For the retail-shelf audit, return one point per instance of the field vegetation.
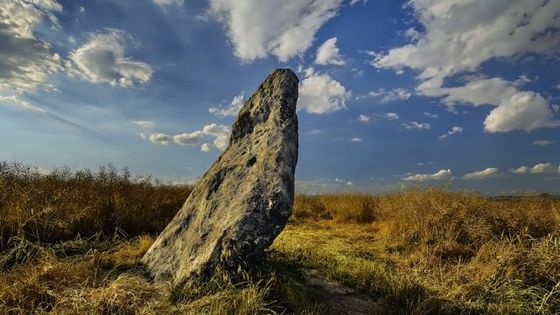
(71, 241)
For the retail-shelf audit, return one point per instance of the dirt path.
(342, 299)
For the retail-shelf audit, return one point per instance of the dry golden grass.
(63, 204)
(71, 244)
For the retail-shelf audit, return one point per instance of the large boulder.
(244, 200)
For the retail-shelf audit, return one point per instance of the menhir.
(244, 200)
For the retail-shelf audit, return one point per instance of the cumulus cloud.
(459, 36)
(329, 54)
(542, 143)
(439, 175)
(364, 118)
(26, 61)
(483, 174)
(283, 29)
(541, 168)
(220, 133)
(232, 109)
(387, 96)
(320, 93)
(522, 111)
(102, 59)
(454, 130)
(146, 124)
(414, 125)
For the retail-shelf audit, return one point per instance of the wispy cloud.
(232, 109)
(541, 168)
(414, 125)
(387, 96)
(439, 175)
(25, 61)
(146, 124)
(542, 143)
(490, 172)
(454, 130)
(364, 118)
(102, 59)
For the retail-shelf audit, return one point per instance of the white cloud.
(284, 29)
(486, 173)
(160, 138)
(439, 175)
(26, 61)
(164, 3)
(414, 125)
(144, 123)
(542, 142)
(430, 115)
(102, 60)
(15, 101)
(354, 2)
(220, 133)
(454, 130)
(390, 116)
(387, 96)
(188, 138)
(356, 140)
(349, 183)
(320, 93)
(205, 147)
(232, 109)
(364, 118)
(541, 168)
(522, 111)
(459, 36)
(328, 54)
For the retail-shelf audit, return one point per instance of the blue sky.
(393, 94)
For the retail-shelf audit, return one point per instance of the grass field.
(70, 243)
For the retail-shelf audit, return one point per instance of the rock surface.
(244, 200)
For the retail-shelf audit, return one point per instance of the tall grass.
(463, 253)
(62, 204)
(71, 242)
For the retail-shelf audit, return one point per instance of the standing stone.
(244, 200)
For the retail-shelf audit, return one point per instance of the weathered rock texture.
(244, 200)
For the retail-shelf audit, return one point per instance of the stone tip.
(287, 72)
